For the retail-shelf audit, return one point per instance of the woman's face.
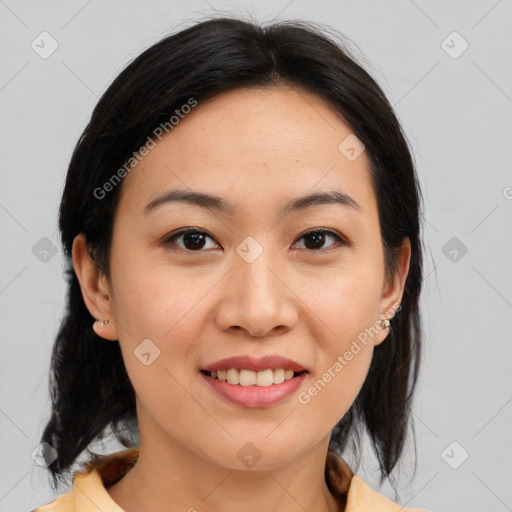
(248, 280)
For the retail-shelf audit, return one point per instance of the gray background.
(455, 108)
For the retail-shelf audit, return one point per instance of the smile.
(244, 389)
(244, 377)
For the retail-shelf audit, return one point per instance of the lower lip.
(255, 396)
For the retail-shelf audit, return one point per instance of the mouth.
(246, 377)
(254, 389)
(249, 381)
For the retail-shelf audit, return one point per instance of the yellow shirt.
(89, 494)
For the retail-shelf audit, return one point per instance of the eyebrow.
(217, 203)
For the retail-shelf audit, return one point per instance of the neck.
(176, 479)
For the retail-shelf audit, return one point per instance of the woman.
(241, 218)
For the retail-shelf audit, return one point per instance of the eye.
(316, 238)
(193, 239)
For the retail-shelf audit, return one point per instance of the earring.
(385, 323)
(96, 327)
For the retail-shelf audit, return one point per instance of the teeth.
(278, 376)
(248, 377)
(288, 374)
(233, 376)
(261, 378)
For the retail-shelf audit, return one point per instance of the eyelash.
(339, 240)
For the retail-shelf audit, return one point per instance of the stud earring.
(385, 323)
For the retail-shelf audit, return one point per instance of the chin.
(247, 455)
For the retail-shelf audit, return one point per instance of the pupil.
(195, 238)
(317, 238)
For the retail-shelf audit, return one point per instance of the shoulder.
(361, 497)
(88, 493)
(353, 492)
(64, 503)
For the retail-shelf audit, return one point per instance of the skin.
(257, 149)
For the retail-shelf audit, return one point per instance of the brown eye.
(194, 240)
(314, 240)
(191, 240)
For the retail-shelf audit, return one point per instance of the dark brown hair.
(90, 389)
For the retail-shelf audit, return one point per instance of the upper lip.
(251, 363)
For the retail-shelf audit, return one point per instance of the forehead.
(251, 141)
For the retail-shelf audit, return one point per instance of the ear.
(95, 289)
(393, 289)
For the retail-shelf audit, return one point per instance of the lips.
(255, 396)
(250, 363)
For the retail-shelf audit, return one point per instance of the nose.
(257, 299)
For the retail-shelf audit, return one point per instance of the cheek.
(330, 392)
(162, 315)
(345, 302)
(344, 316)
(345, 351)
(156, 303)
